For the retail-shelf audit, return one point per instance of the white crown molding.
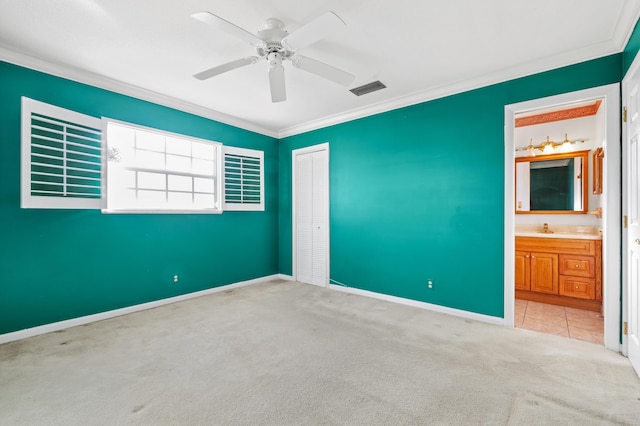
(102, 82)
(523, 70)
(619, 38)
(624, 27)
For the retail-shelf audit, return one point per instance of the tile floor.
(559, 320)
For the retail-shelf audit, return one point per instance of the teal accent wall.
(418, 193)
(61, 264)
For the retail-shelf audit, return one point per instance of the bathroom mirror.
(552, 184)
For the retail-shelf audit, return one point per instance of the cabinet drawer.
(582, 288)
(577, 266)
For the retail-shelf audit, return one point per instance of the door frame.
(294, 154)
(612, 199)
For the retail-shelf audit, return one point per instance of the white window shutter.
(61, 158)
(243, 179)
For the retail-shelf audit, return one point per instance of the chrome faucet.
(545, 229)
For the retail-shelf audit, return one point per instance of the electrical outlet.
(175, 278)
(430, 284)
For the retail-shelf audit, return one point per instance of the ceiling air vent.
(367, 88)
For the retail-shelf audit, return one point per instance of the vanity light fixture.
(566, 143)
(549, 146)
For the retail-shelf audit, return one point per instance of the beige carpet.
(284, 353)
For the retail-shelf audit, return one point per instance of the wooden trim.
(599, 271)
(558, 245)
(554, 299)
(565, 114)
(561, 156)
(598, 156)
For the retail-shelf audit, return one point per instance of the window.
(75, 161)
(153, 171)
(61, 158)
(243, 179)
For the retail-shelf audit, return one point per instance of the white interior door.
(631, 242)
(311, 215)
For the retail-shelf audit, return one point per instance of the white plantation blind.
(243, 179)
(61, 158)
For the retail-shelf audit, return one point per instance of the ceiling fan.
(276, 45)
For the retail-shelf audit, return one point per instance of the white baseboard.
(422, 305)
(61, 325)
(285, 277)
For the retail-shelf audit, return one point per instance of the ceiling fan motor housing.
(272, 36)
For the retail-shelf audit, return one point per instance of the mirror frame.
(585, 180)
(597, 157)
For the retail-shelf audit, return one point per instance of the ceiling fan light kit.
(275, 45)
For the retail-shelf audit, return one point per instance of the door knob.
(637, 240)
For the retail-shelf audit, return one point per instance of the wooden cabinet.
(560, 271)
(537, 272)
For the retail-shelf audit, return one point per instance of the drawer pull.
(577, 266)
(577, 287)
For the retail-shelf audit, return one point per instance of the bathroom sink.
(574, 232)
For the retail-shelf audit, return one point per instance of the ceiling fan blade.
(276, 82)
(312, 31)
(228, 27)
(211, 72)
(323, 70)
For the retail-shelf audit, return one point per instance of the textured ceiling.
(419, 49)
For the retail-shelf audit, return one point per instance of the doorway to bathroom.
(562, 204)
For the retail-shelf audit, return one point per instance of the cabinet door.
(544, 273)
(522, 271)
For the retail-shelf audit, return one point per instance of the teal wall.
(418, 193)
(61, 264)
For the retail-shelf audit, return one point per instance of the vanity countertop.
(560, 231)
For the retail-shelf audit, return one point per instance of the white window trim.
(244, 152)
(218, 179)
(39, 202)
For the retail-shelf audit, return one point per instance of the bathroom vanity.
(560, 268)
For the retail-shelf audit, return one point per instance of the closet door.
(310, 217)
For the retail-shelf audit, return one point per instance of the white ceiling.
(420, 49)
